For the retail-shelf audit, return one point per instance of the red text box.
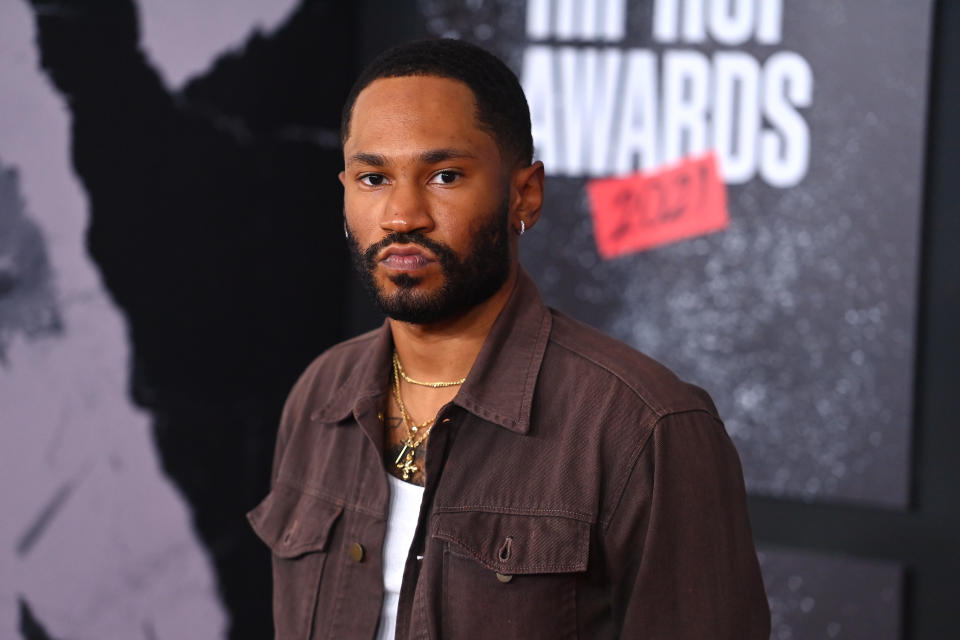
(646, 210)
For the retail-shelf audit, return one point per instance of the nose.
(406, 209)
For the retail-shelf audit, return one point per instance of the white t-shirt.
(402, 517)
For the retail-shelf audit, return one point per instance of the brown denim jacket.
(574, 489)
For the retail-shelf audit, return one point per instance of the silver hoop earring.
(523, 227)
(346, 234)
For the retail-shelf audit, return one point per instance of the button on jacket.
(575, 488)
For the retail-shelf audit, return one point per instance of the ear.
(526, 195)
(342, 176)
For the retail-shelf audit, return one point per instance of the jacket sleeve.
(679, 546)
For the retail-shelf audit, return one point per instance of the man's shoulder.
(599, 396)
(330, 370)
(590, 353)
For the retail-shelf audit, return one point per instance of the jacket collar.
(501, 383)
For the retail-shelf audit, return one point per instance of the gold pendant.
(408, 467)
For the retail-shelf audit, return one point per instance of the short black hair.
(502, 108)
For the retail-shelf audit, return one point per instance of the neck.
(446, 350)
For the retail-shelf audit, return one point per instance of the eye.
(373, 179)
(447, 176)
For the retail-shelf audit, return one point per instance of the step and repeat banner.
(734, 188)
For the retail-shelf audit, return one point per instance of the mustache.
(442, 251)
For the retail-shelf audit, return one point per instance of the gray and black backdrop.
(170, 259)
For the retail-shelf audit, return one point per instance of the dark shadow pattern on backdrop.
(215, 223)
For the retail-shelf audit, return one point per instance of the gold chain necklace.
(398, 368)
(409, 450)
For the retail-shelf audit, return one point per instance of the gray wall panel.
(815, 595)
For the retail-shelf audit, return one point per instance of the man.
(483, 466)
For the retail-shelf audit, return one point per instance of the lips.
(405, 258)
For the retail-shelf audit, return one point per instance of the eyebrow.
(440, 155)
(431, 156)
(374, 159)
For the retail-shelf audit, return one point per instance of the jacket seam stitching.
(327, 497)
(578, 516)
(577, 565)
(641, 392)
(486, 413)
(641, 447)
(530, 381)
(635, 458)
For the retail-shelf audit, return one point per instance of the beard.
(466, 283)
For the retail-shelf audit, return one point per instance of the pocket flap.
(517, 544)
(292, 523)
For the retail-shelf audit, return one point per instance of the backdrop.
(734, 187)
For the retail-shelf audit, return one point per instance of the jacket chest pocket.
(297, 527)
(510, 576)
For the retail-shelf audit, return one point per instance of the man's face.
(425, 198)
